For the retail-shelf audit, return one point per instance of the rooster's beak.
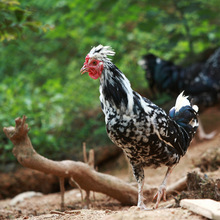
(84, 69)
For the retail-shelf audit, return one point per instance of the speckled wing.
(166, 129)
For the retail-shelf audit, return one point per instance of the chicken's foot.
(161, 193)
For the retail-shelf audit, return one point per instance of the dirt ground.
(103, 207)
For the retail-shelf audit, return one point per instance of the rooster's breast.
(135, 135)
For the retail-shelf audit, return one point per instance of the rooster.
(201, 81)
(147, 135)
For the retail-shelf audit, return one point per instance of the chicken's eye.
(94, 62)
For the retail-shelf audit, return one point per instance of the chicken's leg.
(139, 175)
(141, 204)
(161, 193)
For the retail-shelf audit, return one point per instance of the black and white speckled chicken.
(201, 81)
(147, 135)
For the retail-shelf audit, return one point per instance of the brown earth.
(102, 207)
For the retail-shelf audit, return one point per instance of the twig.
(84, 153)
(72, 181)
(56, 212)
(91, 161)
(75, 212)
(62, 191)
(87, 199)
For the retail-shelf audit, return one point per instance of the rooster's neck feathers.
(115, 88)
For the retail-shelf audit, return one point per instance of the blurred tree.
(14, 18)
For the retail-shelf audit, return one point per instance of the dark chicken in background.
(147, 135)
(200, 81)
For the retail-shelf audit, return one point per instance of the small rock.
(205, 207)
(22, 196)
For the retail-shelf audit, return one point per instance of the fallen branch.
(178, 186)
(181, 184)
(86, 177)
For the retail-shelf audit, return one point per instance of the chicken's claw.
(161, 193)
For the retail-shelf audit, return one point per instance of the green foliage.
(14, 19)
(39, 69)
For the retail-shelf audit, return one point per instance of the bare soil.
(103, 207)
